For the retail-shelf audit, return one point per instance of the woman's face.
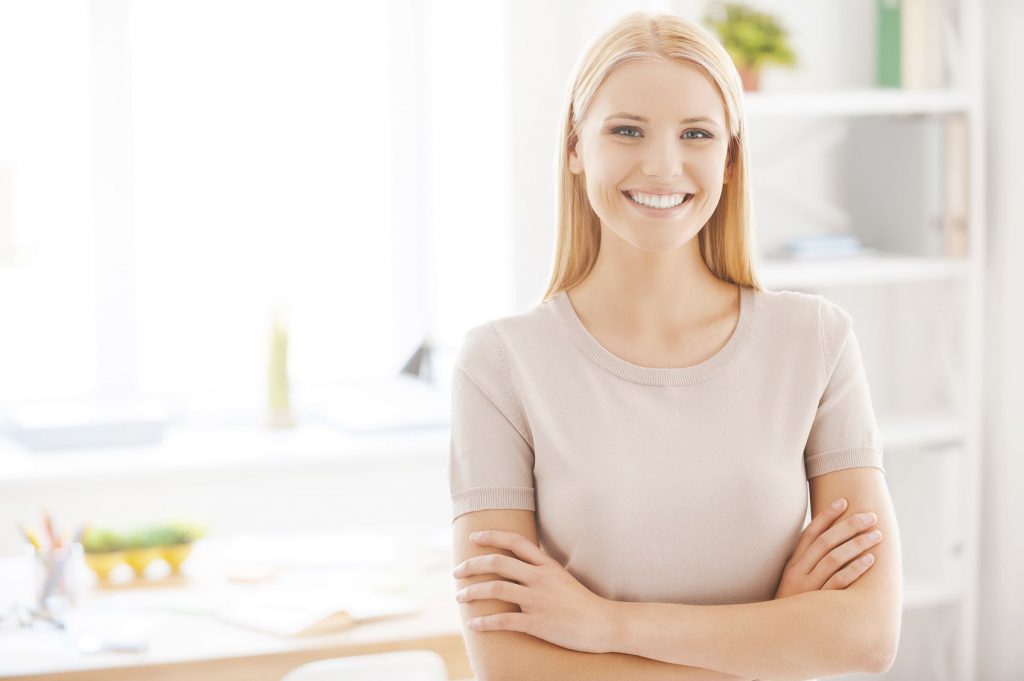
(662, 155)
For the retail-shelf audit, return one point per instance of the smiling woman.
(637, 447)
(658, 163)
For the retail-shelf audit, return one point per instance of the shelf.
(778, 273)
(867, 102)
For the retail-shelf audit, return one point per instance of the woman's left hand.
(555, 606)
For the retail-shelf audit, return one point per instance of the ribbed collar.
(661, 376)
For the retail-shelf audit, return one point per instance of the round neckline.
(661, 376)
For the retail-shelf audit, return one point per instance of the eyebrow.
(637, 117)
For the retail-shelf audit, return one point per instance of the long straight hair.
(727, 239)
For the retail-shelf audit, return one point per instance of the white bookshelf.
(859, 270)
(857, 102)
(932, 446)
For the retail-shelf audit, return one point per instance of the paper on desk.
(284, 614)
(297, 603)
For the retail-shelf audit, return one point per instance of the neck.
(654, 293)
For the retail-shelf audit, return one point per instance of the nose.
(663, 159)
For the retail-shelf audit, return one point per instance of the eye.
(615, 131)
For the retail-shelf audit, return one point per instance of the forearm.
(812, 634)
(514, 656)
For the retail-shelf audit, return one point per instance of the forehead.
(659, 90)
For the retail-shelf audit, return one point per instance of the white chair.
(400, 665)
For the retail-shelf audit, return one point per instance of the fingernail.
(476, 535)
(875, 535)
(868, 559)
(838, 504)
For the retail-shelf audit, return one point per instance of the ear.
(575, 162)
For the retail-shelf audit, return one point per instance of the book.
(955, 186)
(921, 53)
(81, 424)
(888, 69)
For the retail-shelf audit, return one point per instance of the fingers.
(524, 549)
(494, 563)
(818, 524)
(840, 532)
(830, 565)
(497, 589)
(510, 621)
(849, 574)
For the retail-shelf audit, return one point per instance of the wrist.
(617, 626)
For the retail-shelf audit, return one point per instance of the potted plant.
(753, 39)
(176, 542)
(142, 547)
(103, 551)
(106, 548)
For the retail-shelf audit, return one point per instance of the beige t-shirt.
(670, 485)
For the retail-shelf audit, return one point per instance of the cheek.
(710, 174)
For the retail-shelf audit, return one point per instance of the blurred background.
(241, 243)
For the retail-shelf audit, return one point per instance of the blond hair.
(727, 240)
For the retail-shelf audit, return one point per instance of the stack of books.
(823, 246)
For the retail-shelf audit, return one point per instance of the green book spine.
(888, 64)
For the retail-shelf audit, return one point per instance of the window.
(171, 169)
(47, 322)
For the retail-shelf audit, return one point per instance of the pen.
(48, 527)
(30, 537)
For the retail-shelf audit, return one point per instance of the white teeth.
(669, 201)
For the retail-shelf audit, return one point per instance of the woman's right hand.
(825, 547)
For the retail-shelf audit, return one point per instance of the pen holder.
(55, 577)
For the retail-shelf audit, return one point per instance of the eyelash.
(615, 131)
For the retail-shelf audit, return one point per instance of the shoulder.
(496, 342)
(810, 316)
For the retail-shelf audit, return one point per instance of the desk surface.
(197, 645)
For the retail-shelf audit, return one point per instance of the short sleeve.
(490, 462)
(844, 433)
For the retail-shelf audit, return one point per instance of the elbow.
(882, 654)
(880, 664)
(880, 636)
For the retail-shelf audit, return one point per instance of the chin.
(668, 244)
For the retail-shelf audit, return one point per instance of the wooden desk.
(200, 646)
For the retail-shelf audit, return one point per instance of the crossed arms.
(807, 635)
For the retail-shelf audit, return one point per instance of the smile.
(668, 210)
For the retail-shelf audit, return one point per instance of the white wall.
(1001, 616)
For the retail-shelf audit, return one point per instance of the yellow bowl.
(175, 555)
(103, 563)
(140, 558)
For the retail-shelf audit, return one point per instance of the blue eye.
(615, 131)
